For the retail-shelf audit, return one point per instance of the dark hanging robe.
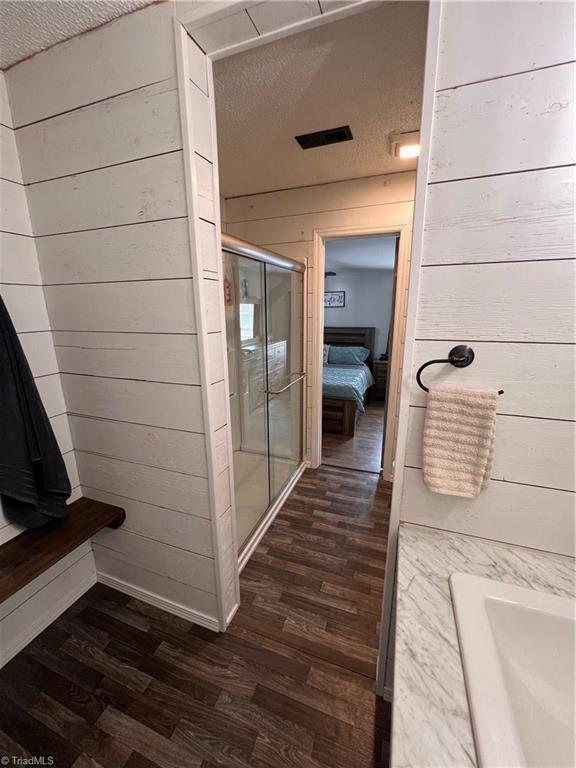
(34, 483)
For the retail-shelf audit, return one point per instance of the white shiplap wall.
(23, 294)
(138, 338)
(29, 611)
(198, 120)
(228, 28)
(497, 267)
(286, 221)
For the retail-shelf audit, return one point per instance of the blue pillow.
(348, 355)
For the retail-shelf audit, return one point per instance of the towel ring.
(460, 357)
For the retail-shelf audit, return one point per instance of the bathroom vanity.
(453, 652)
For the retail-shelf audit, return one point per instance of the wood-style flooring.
(364, 450)
(116, 683)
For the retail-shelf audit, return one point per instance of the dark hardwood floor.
(364, 450)
(116, 683)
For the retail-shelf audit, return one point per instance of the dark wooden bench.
(26, 556)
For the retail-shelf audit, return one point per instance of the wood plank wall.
(23, 294)
(285, 222)
(498, 264)
(97, 122)
(198, 118)
(32, 609)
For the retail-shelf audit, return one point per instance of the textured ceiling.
(365, 71)
(353, 253)
(30, 26)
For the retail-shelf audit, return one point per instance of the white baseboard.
(248, 551)
(160, 602)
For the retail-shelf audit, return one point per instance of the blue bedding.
(347, 382)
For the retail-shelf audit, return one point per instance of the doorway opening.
(304, 203)
(359, 430)
(358, 305)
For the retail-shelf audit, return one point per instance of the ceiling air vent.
(323, 138)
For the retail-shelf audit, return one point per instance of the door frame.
(198, 14)
(398, 318)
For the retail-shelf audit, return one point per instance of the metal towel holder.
(460, 357)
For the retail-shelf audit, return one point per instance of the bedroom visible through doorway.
(359, 279)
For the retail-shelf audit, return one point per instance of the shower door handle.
(300, 375)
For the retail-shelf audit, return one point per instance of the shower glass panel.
(264, 325)
(246, 332)
(284, 306)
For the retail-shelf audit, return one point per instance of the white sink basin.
(517, 649)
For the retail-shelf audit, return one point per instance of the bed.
(345, 387)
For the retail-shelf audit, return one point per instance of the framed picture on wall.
(334, 299)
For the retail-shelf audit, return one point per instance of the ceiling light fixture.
(405, 145)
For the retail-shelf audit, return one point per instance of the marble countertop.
(431, 723)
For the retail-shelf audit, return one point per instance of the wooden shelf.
(26, 556)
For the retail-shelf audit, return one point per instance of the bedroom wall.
(368, 301)
(286, 221)
(498, 265)
(127, 230)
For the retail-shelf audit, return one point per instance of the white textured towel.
(459, 440)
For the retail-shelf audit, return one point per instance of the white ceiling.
(30, 26)
(365, 71)
(354, 253)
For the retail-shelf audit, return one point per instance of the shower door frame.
(239, 247)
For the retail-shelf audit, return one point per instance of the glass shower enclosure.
(264, 306)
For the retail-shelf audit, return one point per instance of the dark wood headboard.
(352, 337)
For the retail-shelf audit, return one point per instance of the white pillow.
(325, 353)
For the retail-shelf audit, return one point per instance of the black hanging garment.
(34, 483)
